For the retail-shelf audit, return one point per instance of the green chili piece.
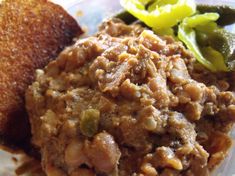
(89, 122)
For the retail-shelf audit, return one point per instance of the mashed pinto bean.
(127, 102)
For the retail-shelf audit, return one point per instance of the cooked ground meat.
(127, 102)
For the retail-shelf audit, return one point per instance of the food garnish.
(160, 14)
(211, 44)
(187, 34)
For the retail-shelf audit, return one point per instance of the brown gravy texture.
(127, 102)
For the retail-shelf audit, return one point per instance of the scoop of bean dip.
(126, 102)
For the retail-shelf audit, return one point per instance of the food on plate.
(32, 32)
(227, 13)
(160, 14)
(129, 102)
(211, 45)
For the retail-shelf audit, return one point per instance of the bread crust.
(32, 33)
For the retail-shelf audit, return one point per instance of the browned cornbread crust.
(32, 33)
